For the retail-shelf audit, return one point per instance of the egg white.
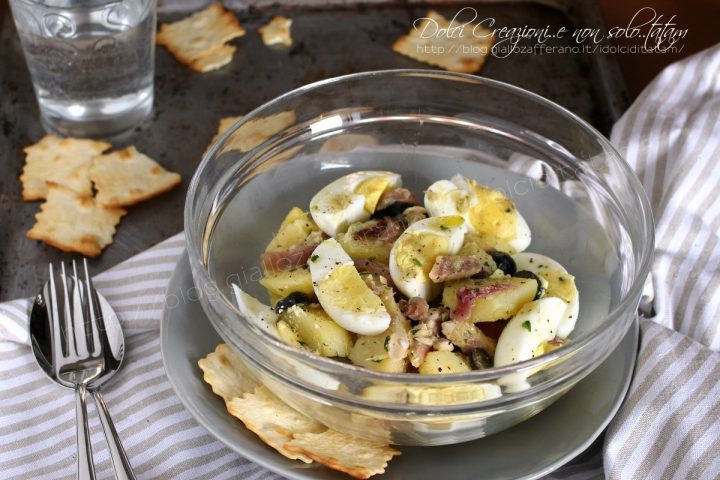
(456, 197)
(536, 323)
(255, 311)
(572, 308)
(326, 258)
(337, 205)
(421, 285)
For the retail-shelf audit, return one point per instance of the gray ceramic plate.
(528, 450)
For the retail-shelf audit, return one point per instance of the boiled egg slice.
(487, 212)
(350, 199)
(343, 294)
(524, 335)
(255, 311)
(560, 284)
(414, 252)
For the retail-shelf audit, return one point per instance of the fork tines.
(74, 314)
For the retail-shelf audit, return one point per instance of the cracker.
(347, 142)
(127, 177)
(226, 373)
(355, 456)
(74, 223)
(62, 161)
(223, 126)
(215, 59)
(277, 31)
(466, 54)
(198, 41)
(255, 132)
(273, 421)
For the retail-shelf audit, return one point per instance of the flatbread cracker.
(215, 59)
(198, 41)
(277, 31)
(288, 431)
(226, 373)
(255, 132)
(74, 223)
(355, 456)
(347, 142)
(223, 126)
(62, 161)
(127, 177)
(273, 421)
(466, 54)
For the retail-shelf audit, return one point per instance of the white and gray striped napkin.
(669, 426)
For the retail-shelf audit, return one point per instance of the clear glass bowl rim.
(642, 263)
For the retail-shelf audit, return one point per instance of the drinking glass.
(91, 62)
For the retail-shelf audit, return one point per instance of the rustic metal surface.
(328, 42)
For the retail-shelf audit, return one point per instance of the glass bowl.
(584, 205)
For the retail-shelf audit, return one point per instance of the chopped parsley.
(314, 258)
(443, 227)
(527, 326)
(417, 262)
(387, 340)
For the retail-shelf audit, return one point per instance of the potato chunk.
(284, 282)
(365, 249)
(293, 231)
(370, 351)
(318, 331)
(489, 299)
(287, 334)
(441, 362)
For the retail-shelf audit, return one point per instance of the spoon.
(113, 349)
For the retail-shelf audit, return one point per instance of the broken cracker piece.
(226, 373)
(273, 421)
(353, 455)
(62, 161)
(255, 132)
(74, 223)
(215, 59)
(348, 142)
(277, 31)
(127, 177)
(198, 41)
(223, 126)
(465, 54)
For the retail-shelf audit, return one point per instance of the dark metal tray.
(329, 40)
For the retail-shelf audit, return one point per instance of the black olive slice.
(392, 210)
(504, 262)
(295, 298)
(480, 359)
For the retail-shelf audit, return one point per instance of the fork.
(76, 358)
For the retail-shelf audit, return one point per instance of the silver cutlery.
(78, 342)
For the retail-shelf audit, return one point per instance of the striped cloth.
(669, 426)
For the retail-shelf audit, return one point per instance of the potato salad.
(371, 275)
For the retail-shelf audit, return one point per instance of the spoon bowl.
(41, 340)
